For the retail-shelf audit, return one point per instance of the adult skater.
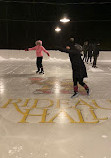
(90, 52)
(95, 54)
(85, 51)
(39, 48)
(78, 67)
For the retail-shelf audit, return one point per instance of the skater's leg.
(75, 80)
(41, 66)
(84, 85)
(81, 82)
(75, 85)
(84, 58)
(95, 60)
(38, 64)
(87, 59)
(90, 59)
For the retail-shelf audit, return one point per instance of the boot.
(38, 70)
(75, 92)
(42, 71)
(75, 95)
(86, 88)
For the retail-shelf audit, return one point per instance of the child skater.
(39, 48)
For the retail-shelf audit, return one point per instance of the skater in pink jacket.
(39, 48)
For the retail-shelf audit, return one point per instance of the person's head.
(39, 42)
(72, 39)
(86, 43)
(78, 47)
(98, 44)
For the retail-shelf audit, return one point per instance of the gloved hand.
(26, 49)
(48, 54)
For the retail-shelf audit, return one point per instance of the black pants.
(95, 61)
(85, 57)
(39, 63)
(77, 79)
(89, 57)
(80, 80)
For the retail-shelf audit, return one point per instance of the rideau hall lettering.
(57, 111)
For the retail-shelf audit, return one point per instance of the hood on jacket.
(78, 47)
(39, 42)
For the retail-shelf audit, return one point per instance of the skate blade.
(41, 74)
(74, 96)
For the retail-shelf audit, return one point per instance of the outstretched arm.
(67, 50)
(63, 50)
(33, 48)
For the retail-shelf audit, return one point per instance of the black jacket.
(85, 49)
(96, 50)
(77, 63)
(90, 49)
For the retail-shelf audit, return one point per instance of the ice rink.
(38, 119)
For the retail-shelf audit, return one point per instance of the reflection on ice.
(62, 117)
(94, 70)
(15, 149)
(57, 87)
(104, 136)
(2, 86)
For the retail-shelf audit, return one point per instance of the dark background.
(23, 22)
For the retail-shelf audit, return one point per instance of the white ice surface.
(61, 139)
(104, 56)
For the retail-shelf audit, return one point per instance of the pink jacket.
(39, 50)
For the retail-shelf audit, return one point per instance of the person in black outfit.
(78, 67)
(90, 50)
(95, 54)
(85, 51)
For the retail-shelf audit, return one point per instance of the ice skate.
(41, 72)
(37, 71)
(75, 95)
(87, 90)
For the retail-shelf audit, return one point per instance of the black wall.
(21, 24)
